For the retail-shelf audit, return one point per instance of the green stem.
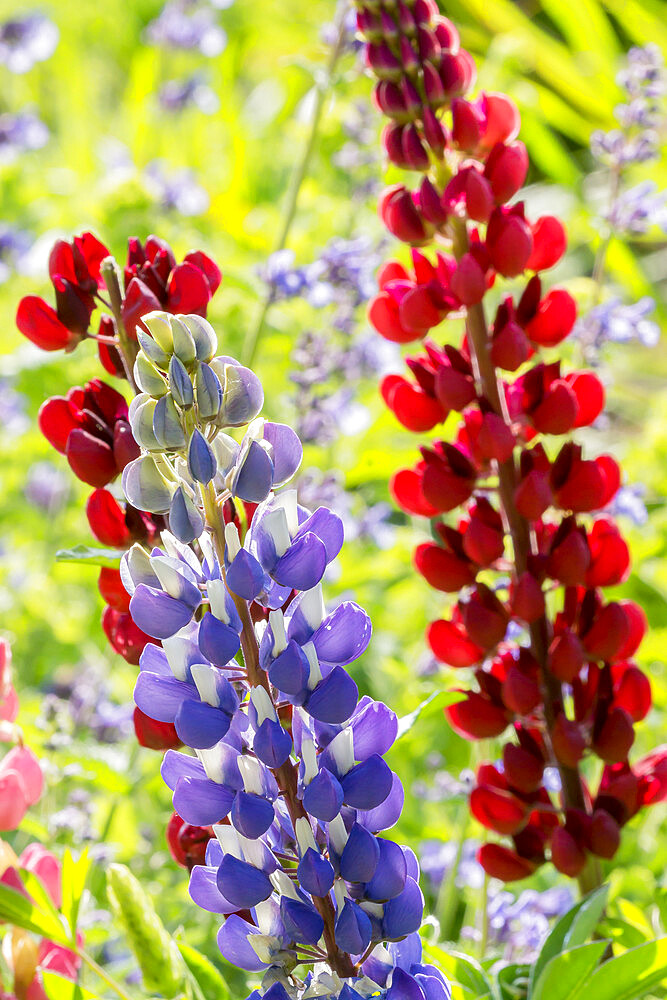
(104, 976)
(127, 348)
(447, 897)
(297, 179)
(484, 940)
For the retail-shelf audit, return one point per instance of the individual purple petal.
(154, 660)
(276, 992)
(353, 929)
(272, 743)
(242, 883)
(334, 698)
(286, 451)
(161, 697)
(254, 475)
(390, 874)
(328, 527)
(235, 947)
(367, 784)
(343, 635)
(199, 725)
(374, 727)
(156, 613)
(323, 797)
(433, 984)
(203, 889)
(217, 641)
(412, 864)
(185, 520)
(360, 855)
(384, 816)
(201, 460)
(403, 914)
(303, 923)
(202, 802)
(403, 987)
(315, 873)
(290, 669)
(177, 765)
(303, 565)
(243, 396)
(251, 815)
(245, 575)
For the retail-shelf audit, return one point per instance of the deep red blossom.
(187, 843)
(154, 735)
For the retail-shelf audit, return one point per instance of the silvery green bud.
(145, 486)
(208, 392)
(141, 422)
(180, 384)
(148, 377)
(152, 349)
(184, 345)
(203, 335)
(167, 425)
(242, 393)
(158, 324)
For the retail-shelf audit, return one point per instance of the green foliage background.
(559, 62)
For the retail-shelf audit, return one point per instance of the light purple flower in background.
(436, 858)
(15, 245)
(176, 190)
(177, 95)
(616, 322)
(19, 133)
(12, 409)
(183, 24)
(638, 209)
(27, 40)
(629, 502)
(47, 487)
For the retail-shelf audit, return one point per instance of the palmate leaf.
(16, 909)
(573, 928)
(91, 555)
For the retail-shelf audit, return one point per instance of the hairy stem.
(519, 529)
(298, 176)
(127, 348)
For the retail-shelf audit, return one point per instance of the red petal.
(589, 391)
(451, 645)
(91, 460)
(126, 638)
(39, 322)
(155, 735)
(188, 290)
(405, 488)
(414, 409)
(107, 519)
(56, 419)
(442, 570)
(549, 243)
(383, 315)
(112, 590)
(497, 810)
(211, 271)
(504, 864)
(139, 300)
(94, 253)
(476, 718)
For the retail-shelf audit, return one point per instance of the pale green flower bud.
(184, 345)
(145, 486)
(167, 425)
(148, 377)
(158, 324)
(152, 349)
(208, 392)
(203, 334)
(180, 384)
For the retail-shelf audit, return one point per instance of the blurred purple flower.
(616, 322)
(629, 502)
(19, 133)
(27, 40)
(638, 209)
(15, 245)
(177, 95)
(46, 487)
(12, 409)
(176, 190)
(183, 24)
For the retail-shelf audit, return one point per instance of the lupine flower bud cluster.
(288, 767)
(90, 424)
(520, 533)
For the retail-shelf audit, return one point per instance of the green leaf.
(555, 943)
(437, 700)
(462, 971)
(16, 909)
(90, 555)
(629, 976)
(586, 918)
(564, 973)
(59, 988)
(74, 878)
(210, 980)
(512, 982)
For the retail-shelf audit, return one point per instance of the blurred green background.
(98, 96)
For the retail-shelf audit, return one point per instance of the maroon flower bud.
(467, 124)
(450, 644)
(187, 844)
(401, 216)
(445, 31)
(411, 99)
(509, 241)
(533, 495)
(569, 557)
(612, 743)
(433, 88)
(522, 769)
(498, 810)
(495, 439)
(74, 307)
(566, 854)
(476, 717)
(428, 45)
(501, 117)
(502, 863)
(389, 27)
(154, 735)
(457, 72)
(430, 203)
(610, 556)
(468, 281)
(443, 570)
(605, 834)
(415, 156)
(484, 537)
(484, 617)
(139, 300)
(566, 656)
(632, 690)
(527, 598)
(506, 169)
(509, 347)
(549, 243)
(520, 691)
(92, 460)
(389, 100)
(554, 318)
(568, 741)
(408, 20)
(449, 477)
(434, 133)
(409, 58)
(383, 62)
(454, 388)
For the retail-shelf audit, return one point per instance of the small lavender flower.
(177, 95)
(177, 191)
(12, 409)
(437, 857)
(46, 487)
(616, 322)
(19, 133)
(27, 40)
(629, 502)
(15, 245)
(638, 209)
(183, 24)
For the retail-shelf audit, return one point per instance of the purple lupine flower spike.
(284, 760)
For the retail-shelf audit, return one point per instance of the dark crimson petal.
(91, 460)
(107, 519)
(139, 300)
(39, 322)
(188, 290)
(56, 419)
(498, 810)
(153, 734)
(208, 266)
(504, 864)
(93, 253)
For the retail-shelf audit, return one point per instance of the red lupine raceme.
(511, 494)
(89, 424)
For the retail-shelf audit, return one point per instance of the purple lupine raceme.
(285, 761)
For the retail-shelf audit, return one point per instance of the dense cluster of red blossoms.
(89, 425)
(530, 550)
